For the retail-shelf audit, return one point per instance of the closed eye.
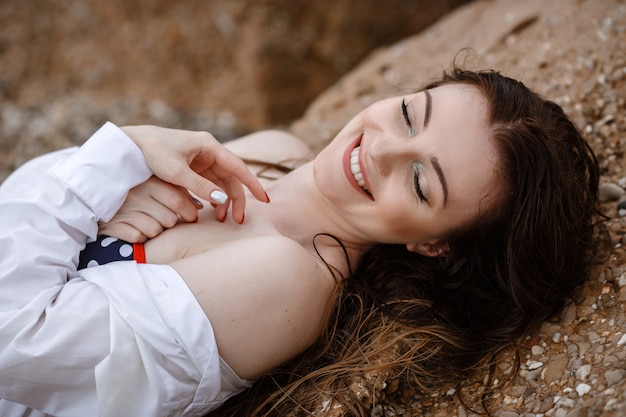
(407, 119)
(416, 183)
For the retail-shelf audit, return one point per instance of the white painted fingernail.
(218, 197)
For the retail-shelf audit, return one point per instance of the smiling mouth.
(355, 168)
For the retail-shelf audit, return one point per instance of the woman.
(434, 229)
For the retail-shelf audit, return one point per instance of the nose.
(387, 152)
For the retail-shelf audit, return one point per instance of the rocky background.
(226, 66)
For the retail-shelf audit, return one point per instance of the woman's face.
(412, 169)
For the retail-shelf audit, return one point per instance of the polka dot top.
(109, 249)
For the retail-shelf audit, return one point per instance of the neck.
(300, 212)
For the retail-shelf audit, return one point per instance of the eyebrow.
(442, 179)
(427, 108)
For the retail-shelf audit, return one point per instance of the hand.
(150, 208)
(198, 162)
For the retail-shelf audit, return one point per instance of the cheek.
(402, 221)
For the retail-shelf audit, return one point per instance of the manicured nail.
(267, 198)
(197, 202)
(218, 196)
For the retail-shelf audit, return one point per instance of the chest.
(188, 239)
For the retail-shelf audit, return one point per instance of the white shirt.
(118, 339)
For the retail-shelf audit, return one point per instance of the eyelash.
(407, 119)
(418, 187)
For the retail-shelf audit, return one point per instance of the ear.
(429, 248)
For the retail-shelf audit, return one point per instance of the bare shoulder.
(271, 146)
(266, 297)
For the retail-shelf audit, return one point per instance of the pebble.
(610, 360)
(610, 192)
(593, 336)
(537, 350)
(583, 372)
(533, 375)
(555, 368)
(561, 412)
(583, 347)
(613, 377)
(565, 403)
(611, 404)
(583, 389)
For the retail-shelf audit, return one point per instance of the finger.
(171, 201)
(174, 203)
(238, 169)
(222, 162)
(221, 210)
(162, 215)
(123, 231)
(144, 223)
(201, 186)
(237, 198)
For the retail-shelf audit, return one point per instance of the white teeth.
(356, 168)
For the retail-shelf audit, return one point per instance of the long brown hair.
(435, 321)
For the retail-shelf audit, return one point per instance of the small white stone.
(611, 404)
(537, 350)
(534, 365)
(583, 389)
(583, 372)
(565, 403)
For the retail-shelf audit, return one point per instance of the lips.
(353, 168)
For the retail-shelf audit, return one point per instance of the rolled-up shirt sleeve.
(46, 219)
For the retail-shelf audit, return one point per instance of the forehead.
(465, 149)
